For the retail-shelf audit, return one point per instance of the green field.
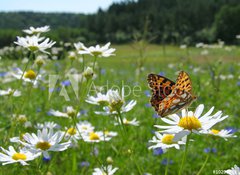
(215, 79)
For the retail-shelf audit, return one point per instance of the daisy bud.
(39, 61)
(109, 160)
(88, 73)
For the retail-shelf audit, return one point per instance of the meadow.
(215, 74)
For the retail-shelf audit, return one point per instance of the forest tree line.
(165, 21)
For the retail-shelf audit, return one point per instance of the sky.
(75, 6)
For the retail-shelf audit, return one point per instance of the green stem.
(121, 121)
(168, 160)
(184, 156)
(94, 63)
(204, 164)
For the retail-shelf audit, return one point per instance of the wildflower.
(220, 133)
(109, 160)
(35, 43)
(40, 60)
(70, 112)
(45, 141)
(12, 156)
(72, 55)
(204, 52)
(98, 51)
(183, 46)
(210, 150)
(199, 45)
(38, 30)
(166, 162)
(233, 171)
(158, 151)
(85, 127)
(27, 76)
(109, 170)
(100, 99)
(191, 122)
(117, 103)
(133, 122)
(96, 136)
(84, 164)
(10, 91)
(79, 46)
(72, 134)
(88, 73)
(166, 141)
(49, 125)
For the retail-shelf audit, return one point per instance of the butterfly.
(169, 97)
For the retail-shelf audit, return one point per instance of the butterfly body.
(169, 97)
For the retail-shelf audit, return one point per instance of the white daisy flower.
(12, 156)
(97, 136)
(35, 43)
(191, 121)
(49, 125)
(45, 141)
(166, 141)
(110, 133)
(72, 134)
(27, 76)
(70, 112)
(79, 46)
(100, 99)
(116, 103)
(233, 171)
(33, 31)
(109, 170)
(10, 91)
(224, 133)
(133, 122)
(98, 51)
(85, 127)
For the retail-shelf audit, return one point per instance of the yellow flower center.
(94, 136)
(19, 156)
(30, 74)
(72, 131)
(106, 133)
(84, 127)
(43, 145)
(33, 48)
(96, 53)
(190, 123)
(167, 139)
(215, 131)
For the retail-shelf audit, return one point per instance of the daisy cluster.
(179, 127)
(48, 137)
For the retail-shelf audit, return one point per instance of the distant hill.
(170, 21)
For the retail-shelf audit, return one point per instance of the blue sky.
(76, 6)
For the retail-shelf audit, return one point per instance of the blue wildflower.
(66, 83)
(165, 162)
(157, 151)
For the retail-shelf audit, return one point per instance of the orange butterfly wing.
(161, 87)
(180, 97)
